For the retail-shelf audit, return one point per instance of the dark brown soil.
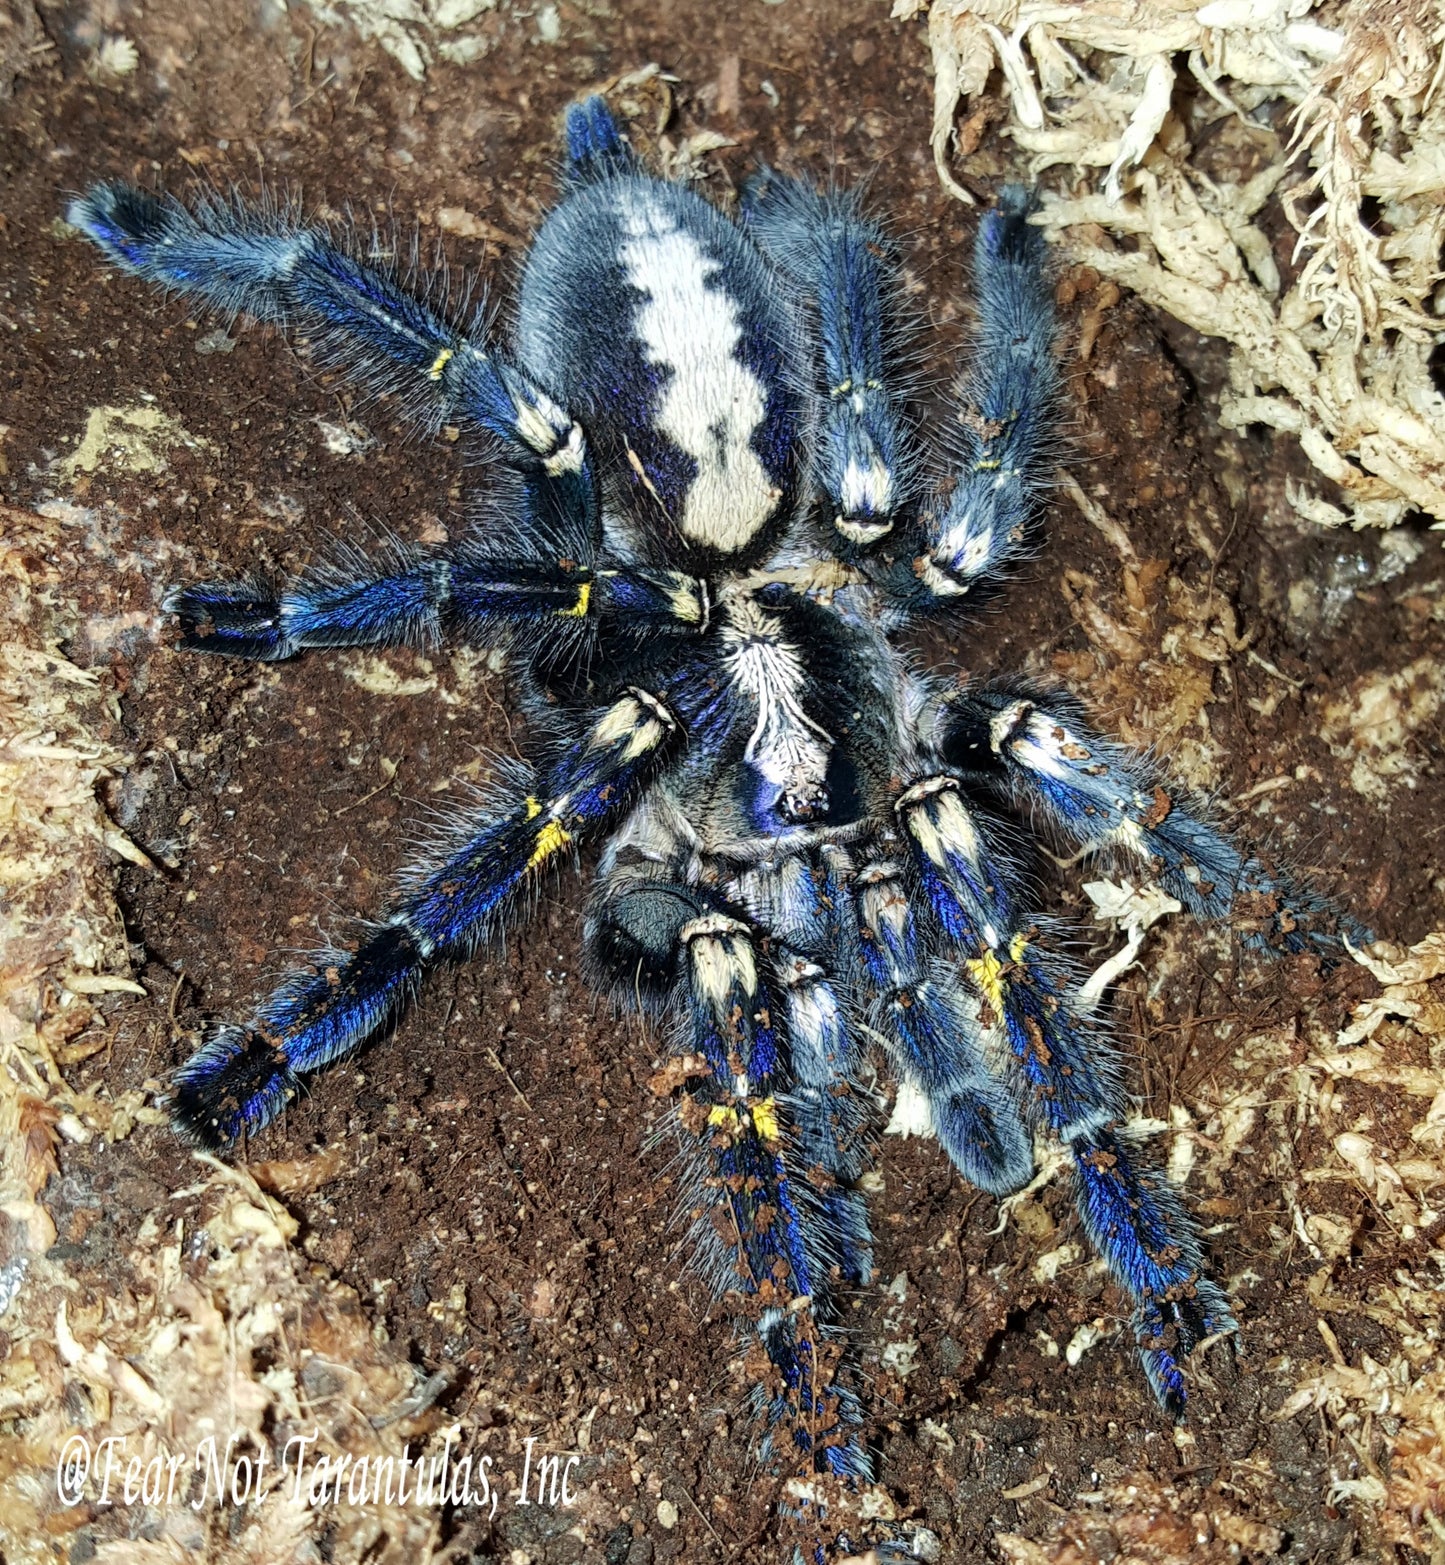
(498, 1206)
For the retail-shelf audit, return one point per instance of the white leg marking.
(866, 489)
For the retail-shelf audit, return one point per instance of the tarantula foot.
(237, 1081)
(1204, 1313)
(1278, 916)
(239, 619)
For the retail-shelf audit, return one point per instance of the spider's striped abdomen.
(652, 317)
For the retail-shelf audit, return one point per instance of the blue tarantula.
(712, 521)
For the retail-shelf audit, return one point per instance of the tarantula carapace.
(712, 518)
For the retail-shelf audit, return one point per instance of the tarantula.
(712, 520)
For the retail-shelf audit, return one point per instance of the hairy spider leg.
(1099, 795)
(1006, 420)
(261, 261)
(937, 1043)
(544, 607)
(243, 1075)
(803, 901)
(546, 586)
(753, 1213)
(843, 265)
(264, 262)
(1071, 1085)
(362, 318)
(596, 148)
(769, 1122)
(760, 1227)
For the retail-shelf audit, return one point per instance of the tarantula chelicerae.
(712, 522)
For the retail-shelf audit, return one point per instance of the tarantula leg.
(845, 268)
(241, 1078)
(1098, 794)
(965, 874)
(1071, 1087)
(770, 1130)
(938, 1042)
(804, 901)
(409, 597)
(533, 605)
(1137, 1223)
(266, 263)
(967, 885)
(1066, 1069)
(1007, 416)
(755, 1213)
(829, 1117)
(353, 602)
(595, 146)
(1133, 1218)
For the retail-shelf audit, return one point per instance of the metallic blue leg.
(938, 1043)
(1005, 425)
(359, 315)
(1099, 795)
(771, 1124)
(406, 596)
(1137, 1223)
(242, 1077)
(844, 266)
(760, 1225)
(1066, 1070)
(595, 147)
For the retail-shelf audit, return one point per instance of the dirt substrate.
(484, 1182)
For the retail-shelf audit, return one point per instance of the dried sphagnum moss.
(1200, 115)
(1387, 1411)
(1176, 125)
(219, 1328)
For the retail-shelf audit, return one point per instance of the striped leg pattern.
(763, 1230)
(414, 597)
(1070, 1088)
(1006, 421)
(939, 1046)
(360, 316)
(244, 1075)
(1096, 794)
(845, 267)
(770, 1121)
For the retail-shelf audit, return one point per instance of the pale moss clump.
(1337, 107)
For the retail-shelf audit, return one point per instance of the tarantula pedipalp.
(712, 527)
